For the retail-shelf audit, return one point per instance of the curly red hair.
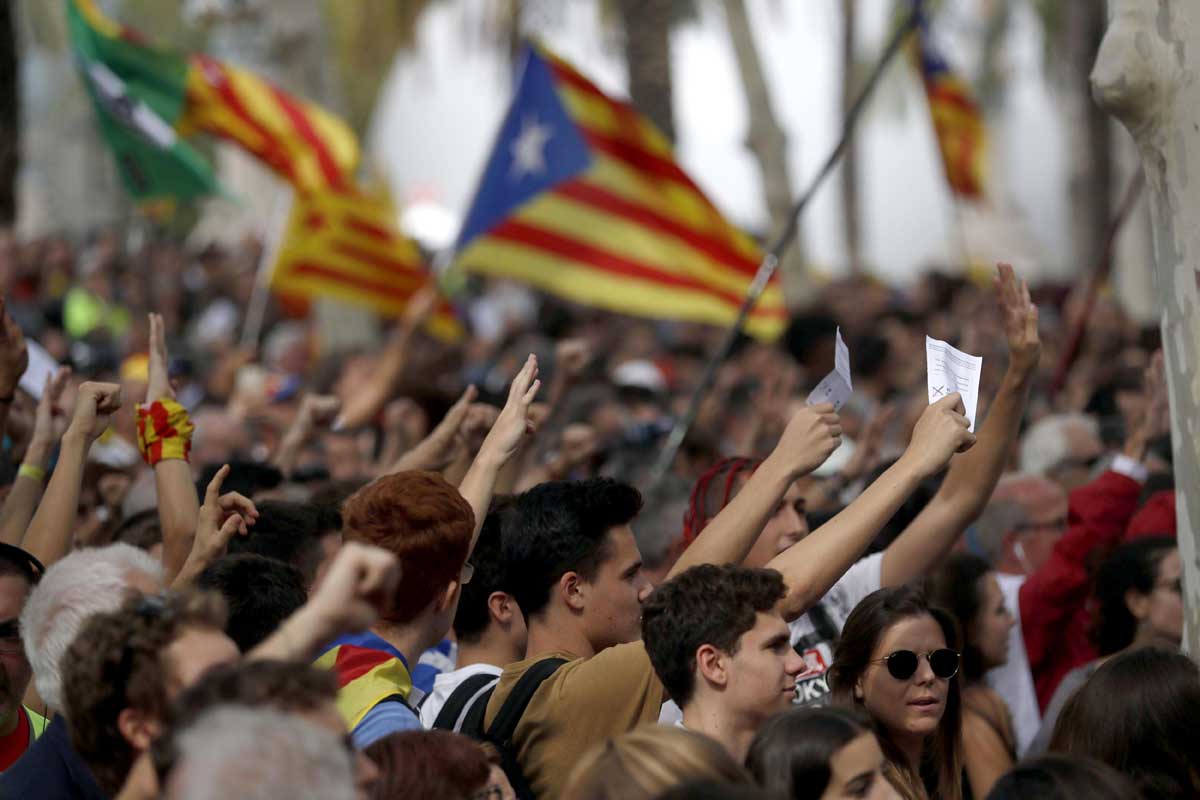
(424, 522)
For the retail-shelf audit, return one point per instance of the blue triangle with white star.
(538, 147)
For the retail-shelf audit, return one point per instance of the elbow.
(797, 599)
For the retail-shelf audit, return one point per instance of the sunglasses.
(903, 664)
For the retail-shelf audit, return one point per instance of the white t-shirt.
(1014, 681)
(445, 684)
(815, 633)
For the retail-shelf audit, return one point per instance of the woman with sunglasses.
(966, 586)
(897, 661)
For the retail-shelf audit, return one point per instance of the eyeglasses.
(1175, 586)
(903, 664)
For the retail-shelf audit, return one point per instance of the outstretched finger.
(458, 412)
(532, 393)
(212, 493)
(231, 526)
(524, 378)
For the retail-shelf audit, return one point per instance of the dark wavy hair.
(941, 765)
(1058, 777)
(1132, 566)
(789, 757)
(955, 587)
(1138, 713)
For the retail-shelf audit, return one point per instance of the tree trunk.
(768, 142)
(851, 217)
(1091, 146)
(1143, 77)
(647, 25)
(10, 113)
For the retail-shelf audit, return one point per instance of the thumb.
(952, 401)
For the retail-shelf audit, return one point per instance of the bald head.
(1025, 518)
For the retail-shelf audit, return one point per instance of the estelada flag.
(582, 197)
(957, 119)
(157, 96)
(346, 245)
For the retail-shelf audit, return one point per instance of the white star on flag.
(528, 149)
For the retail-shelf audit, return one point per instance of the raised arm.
(316, 411)
(813, 433)
(363, 405)
(49, 534)
(14, 358)
(222, 517)
(31, 477)
(972, 476)
(501, 444)
(811, 566)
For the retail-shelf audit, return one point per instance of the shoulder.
(385, 718)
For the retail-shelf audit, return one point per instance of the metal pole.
(771, 260)
(256, 312)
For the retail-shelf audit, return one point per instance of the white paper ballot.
(836, 387)
(41, 366)
(951, 370)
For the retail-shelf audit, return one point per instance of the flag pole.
(256, 312)
(770, 261)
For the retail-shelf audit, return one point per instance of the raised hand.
(95, 403)
(811, 436)
(158, 381)
(317, 411)
(420, 306)
(222, 516)
(438, 449)
(572, 356)
(358, 587)
(49, 422)
(941, 432)
(514, 420)
(1020, 319)
(1155, 418)
(14, 358)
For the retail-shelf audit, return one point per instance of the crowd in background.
(445, 569)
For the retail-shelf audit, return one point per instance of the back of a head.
(429, 764)
(292, 687)
(711, 790)
(260, 594)
(1046, 445)
(714, 490)
(790, 754)
(260, 754)
(424, 522)
(706, 604)
(657, 528)
(643, 763)
(1057, 777)
(86, 582)
(1130, 567)
(560, 527)
(490, 575)
(1000, 517)
(1137, 713)
(290, 532)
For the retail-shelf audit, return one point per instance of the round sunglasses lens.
(902, 664)
(944, 663)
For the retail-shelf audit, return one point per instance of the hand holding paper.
(836, 387)
(951, 370)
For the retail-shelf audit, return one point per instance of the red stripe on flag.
(604, 200)
(369, 285)
(951, 95)
(216, 76)
(353, 662)
(638, 158)
(512, 230)
(367, 228)
(300, 121)
(367, 258)
(627, 116)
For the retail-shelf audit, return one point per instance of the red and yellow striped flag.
(345, 245)
(368, 671)
(582, 197)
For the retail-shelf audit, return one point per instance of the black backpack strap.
(501, 731)
(464, 697)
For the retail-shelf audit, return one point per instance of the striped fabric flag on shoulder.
(957, 119)
(367, 670)
(346, 245)
(582, 197)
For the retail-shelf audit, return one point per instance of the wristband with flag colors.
(164, 431)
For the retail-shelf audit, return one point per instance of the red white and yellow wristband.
(164, 431)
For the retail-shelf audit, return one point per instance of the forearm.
(479, 484)
(299, 638)
(23, 497)
(729, 537)
(363, 406)
(49, 535)
(964, 493)
(814, 564)
(288, 452)
(178, 509)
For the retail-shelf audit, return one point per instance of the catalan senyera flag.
(957, 119)
(368, 670)
(306, 145)
(345, 244)
(582, 197)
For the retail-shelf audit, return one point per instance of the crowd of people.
(446, 569)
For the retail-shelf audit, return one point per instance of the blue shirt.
(383, 720)
(50, 770)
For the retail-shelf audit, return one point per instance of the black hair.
(706, 604)
(473, 616)
(790, 754)
(806, 331)
(1137, 713)
(15, 561)
(245, 477)
(290, 532)
(260, 593)
(955, 586)
(560, 527)
(710, 790)
(1131, 566)
(1059, 777)
(143, 530)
